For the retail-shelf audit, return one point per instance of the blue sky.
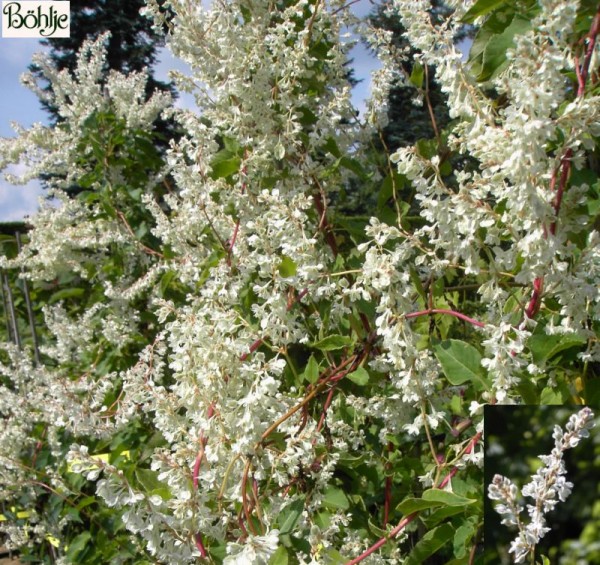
(18, 104)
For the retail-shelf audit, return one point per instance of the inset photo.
(542, 493)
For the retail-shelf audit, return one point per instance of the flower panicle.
(547, 487)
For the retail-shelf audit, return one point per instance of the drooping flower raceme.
(547, 487)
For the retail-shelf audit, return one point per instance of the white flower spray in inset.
(547, 486)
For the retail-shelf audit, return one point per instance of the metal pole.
(12, 312)
(4, 303)
(36, 348)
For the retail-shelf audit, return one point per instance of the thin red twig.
(393, 533)
(449, 312)
(257, 343)
(196, 471)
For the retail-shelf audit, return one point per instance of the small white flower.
(256, 550)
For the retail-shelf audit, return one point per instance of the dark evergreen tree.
(132, 46)
(409, 122)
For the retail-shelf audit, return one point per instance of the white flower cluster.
(547, 486)
(198, 336)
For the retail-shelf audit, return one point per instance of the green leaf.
(280, 557)
(311, 371)
(353, 165)
(360, 376)
(417, 74)
(165, 281)
(334, 557)
(446, 498)
(287, 267)
(411, 505)
(494, 54)
(461, 362)
(86, 502)
(148, 479)
(440, 515)
(231, 145)
(330, 145)
(224, 164)
(332, 342)
(431, 542)
(551, 396)
(462, 537)
(544, 347)
(395, 180)
(78, 545)
(66, 293)
(481, 8)
(336, 498)
(290, 516)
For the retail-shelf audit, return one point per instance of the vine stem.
(237, 223)
(454, 469)
(408, 519)
(196, 471)
(454, 313)
(257, 343)
(393, 533)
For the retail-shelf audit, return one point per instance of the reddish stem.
(324, 413)
(454, 470)
(196, 471)
(387, 495)
(245, 505)
(324, 224)
(449, 312)
(237, 223)
(592, 36)
(408, 519)
(387, 500)
(403, 523)
(256, 344)
(198, 461)
(200, 545)
(252, 349)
